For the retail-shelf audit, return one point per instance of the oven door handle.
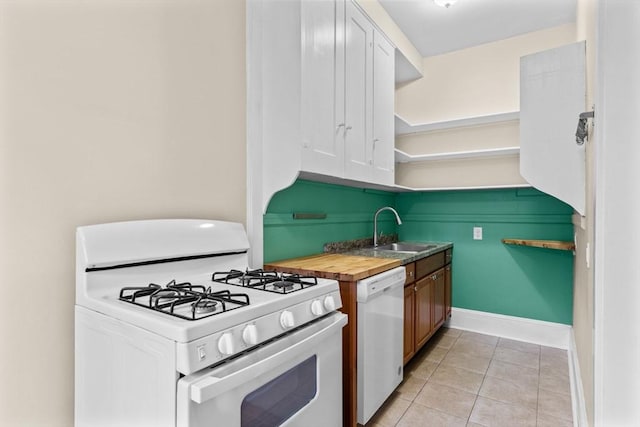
(212, 386)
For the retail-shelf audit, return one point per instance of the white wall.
(617, 270)
(108, 111)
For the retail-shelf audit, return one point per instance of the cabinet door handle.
(339, 126)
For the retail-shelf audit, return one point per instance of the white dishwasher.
(380, 333)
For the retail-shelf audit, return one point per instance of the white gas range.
(173, 329)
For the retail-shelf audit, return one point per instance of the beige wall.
(109, 110)
(583, 292)
(476, 81)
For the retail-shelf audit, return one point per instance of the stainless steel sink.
(404, 247)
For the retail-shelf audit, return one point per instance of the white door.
(358, 88)
(322, 100)
(383, 110)
(552, 96)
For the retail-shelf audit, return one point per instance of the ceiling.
(434, 30)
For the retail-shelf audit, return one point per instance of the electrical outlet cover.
(477, 233)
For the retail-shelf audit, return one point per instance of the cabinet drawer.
(430, 264)
(448, 256)
(410, 270)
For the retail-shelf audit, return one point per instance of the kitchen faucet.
(375, 222)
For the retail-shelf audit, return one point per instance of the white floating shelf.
(403, 127)
(402, 157)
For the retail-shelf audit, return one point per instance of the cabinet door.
(410, 271)
(383, 110)
(447, 291)
(409, 320)
(358, 74)
(423, 310)
(552, 96)
(322, 80)
(438, 298)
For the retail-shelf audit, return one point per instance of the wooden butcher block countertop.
(335, 266)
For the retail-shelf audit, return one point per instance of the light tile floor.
(462, 378)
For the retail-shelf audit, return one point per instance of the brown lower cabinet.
(409, 321)
(427, 300)
(424, 303)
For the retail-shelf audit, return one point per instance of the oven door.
(295, 380)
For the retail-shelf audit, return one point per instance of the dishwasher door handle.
(388, 288)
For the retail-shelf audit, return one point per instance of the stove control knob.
(329, 303)
(225, 344)
(250, 335)
(286, 320)
(316, 308)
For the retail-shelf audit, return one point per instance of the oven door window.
(276, 401)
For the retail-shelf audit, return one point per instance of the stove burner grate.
(270, 281)
(173, 296)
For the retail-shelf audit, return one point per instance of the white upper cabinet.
(347, 112)
(383, 108)
(552, 96)
(358, 94)
(320, 96)
(322, 106)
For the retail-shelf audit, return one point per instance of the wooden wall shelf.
(548, 244)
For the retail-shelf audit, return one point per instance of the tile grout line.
(483, 378)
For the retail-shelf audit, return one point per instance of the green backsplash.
(488, 276)
(349, 216)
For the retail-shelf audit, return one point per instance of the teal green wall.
(488, 276)
(349, 216)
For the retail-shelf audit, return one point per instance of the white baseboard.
(516, 328)
(577, 394)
